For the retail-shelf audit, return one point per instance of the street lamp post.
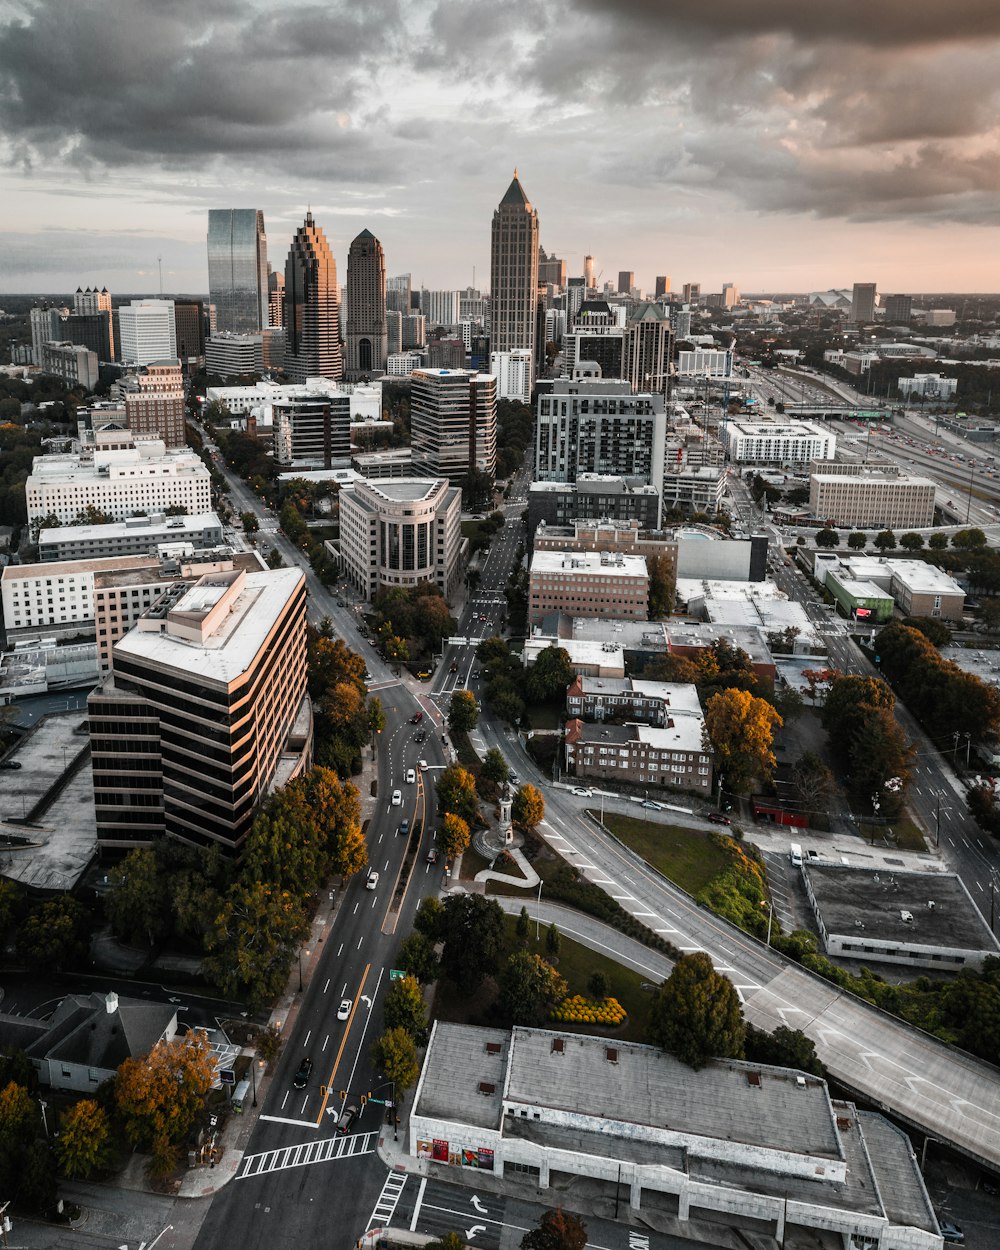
(300, 967)
(538, 911)
(45, 1122)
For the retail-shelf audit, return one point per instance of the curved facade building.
(237, 269)
(313, 348)
(367, 328)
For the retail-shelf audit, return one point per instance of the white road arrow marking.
(477, 1204)
(367, 1001)
(471, 1232)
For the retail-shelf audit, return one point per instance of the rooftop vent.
(558, 1046)
(906, 917)
(753, 1078)
(487, 1087)
(611, 1054)
(800, 1081)
(493, 1048)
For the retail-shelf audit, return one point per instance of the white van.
(795, 853)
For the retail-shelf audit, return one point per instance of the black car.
(10, 763)
(301, 1078)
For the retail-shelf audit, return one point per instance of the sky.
(790, 145)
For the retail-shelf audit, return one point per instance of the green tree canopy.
(404, 1008)
(827, 538)
(456, 793)
(417, 958)
(696, 1014)
(530, 989)
(54, 934)
(912, 542)
(557, 1230)
(463, 711)
(135, 902)
(473, 931)
(885, 540)
(395, 1057)
(548, 677)
(252, 942)
(429, 918)
(159, 1095)
(857, 540)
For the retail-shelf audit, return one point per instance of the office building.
(367, 330)
(137, 536)
(924, 386)
(234, 355)
(46, 327)
(512, 371)
(898, 309)
(626, 281)
(312, 307)
(514, 272)
(453, 422)
(275, 297)
(397, 293)
(189, 331)
(730, 295)
(939, 317)
(588, 273)
(237, 270)
(601, 584)
(863, 301)
(599, 426)
(596, 338)
(414, 331)
(118, 483)
(154, 403)
(441, 308)
(662, 286)
(647, 348)
(592, 497)
(402, 364)
(691, 293)
(312, 428)
(148, 331)
(705, 362)
(206, 711)
(551, 270)
(91, 323)
(777, 442)
(400, 532)
(75, 365)
(446, 353)
(870, 497)
(394, 332)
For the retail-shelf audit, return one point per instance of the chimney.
(111, 1003)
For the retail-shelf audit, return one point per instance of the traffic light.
(364, 1101)
(343, 1095)
(322, 1091)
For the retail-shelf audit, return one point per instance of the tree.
(463, 711)
(84, 1143)
(785, 1048)
(36, 1188)
(885, 540)
(557, 1230)
(417, 958)
(456, 793)
(523, 928)
(455, 836)
(827, 538)
(376, 715)
(530, 989)
(54, 934)
(813, 782)
(528, 807)
(969, 539)
(934, 630)
(395, 1057)
(857, 540)
(662, 586)
(135, 901)
(404, 1008)
(598, 985)
(696, 1014)
(740, 728)
(937, 542)
(912, 542)
(473, 931)
(548, 677)
(249, 522)
(494, 768)
(553, 940)
(429, 919)
(159, 1095)
(252, 942)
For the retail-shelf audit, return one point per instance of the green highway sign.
(396, 974)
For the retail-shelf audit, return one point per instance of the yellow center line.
(421, 800)
(343, 1043)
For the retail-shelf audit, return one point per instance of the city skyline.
(784, 149)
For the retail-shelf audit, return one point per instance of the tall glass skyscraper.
(313, 347)
(237, 269)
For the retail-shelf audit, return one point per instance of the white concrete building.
(119, 483)
(139, 535)
(230, 355)
(777, 442)
(928, 386)
(147, 331)
(402, 364)
(736, 1140)
(512, 371)
(863, 496)
(400, 532)
(706, 363)
(71, 362)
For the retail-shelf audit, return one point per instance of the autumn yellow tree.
(740, 728)
(528, 808)
(159, 1095)
(455, 834)
(84, 1143)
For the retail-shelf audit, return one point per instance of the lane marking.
(343, 1043)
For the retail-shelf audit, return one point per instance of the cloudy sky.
(786, 145)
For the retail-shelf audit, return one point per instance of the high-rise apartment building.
(414, 330)
(91, 323)
(440, 308)
(46, 327)
(237, 269)
(662, 286)
(514, 271)
(551, 270)
(312, 307)
(898, 309)
(394, 331)
(730, 295)
(590, 426)
(453, 419)
(148, 331)
(512, 371)
(626, 280)
(647, 348)
(367, 333)
(397, 293)
(206, 701)
(691, 292)
(863, 302)
(275, 297)
(154, 403)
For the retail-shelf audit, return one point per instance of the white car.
(344, 1010)
(581, 793)
(397, 798)
(372, 882)
(411, 776)
(423, 765)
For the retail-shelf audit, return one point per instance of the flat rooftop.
(883, 900)
(465, 1080)
(60, 568)
(405, 489)
(776, 429)
(138, 526)
(873, 478)
(605, 564)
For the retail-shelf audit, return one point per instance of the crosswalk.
(307, 1154)
(385, 1208)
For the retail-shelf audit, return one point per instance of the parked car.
(301, 1078)
(653, 805)
(717, 818)
(10, 764)
(581, 792)
(951, 1234)
(344, 1010)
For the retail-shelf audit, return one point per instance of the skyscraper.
(397, 294)
(647, 348)
(551, 269)
(898, 308)
(453, 417)
(626, 280)
(662, 285)
(588, 272)
(367, 332)
(863, 301)
(312, 307)
(514, 271)
(147, 331)
(237, 269)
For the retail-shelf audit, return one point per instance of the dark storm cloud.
(93, 81)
